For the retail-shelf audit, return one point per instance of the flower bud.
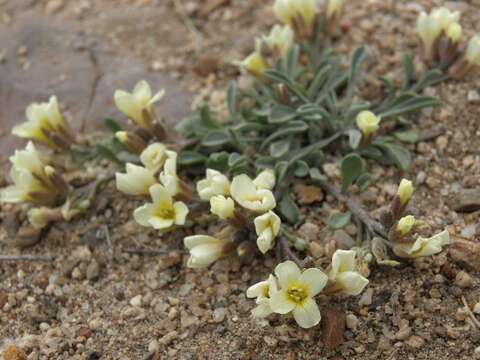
(267, 227)
(214, 184)
(136, 181)
(204, 250)
(300, 14)
(154, 157)
(254, 64)
(343, 274)
(132, 142)
(454, 32)
(223, 207)
(405, 225)
(280, 39)
(368, 123)
(405, 191)
(473, 51)
(245, 193)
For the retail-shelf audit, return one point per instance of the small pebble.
(366, 298)
(463, 280)
(136, 301)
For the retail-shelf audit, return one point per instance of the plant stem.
(26, 258)
(287, 252)
(358, 210)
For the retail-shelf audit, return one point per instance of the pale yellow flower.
(221, 206)
(163, 213)
(423, 246)
(245, 193)
(154, 156)
(133, 105)
(204, 250)
(431, 26)
(136, 181)
(296, 293)
(46, 125)
(254, 63)
(280, 39)
(473, 50)
(405, 191)
(288, 11)
(344, 275)
(454, 32)
(33, 179)
(265, 180)
(214, 184)
(261, 292)
(334, 7)
(168, 177)
(368, 122)
(267, 227)
(405, 225)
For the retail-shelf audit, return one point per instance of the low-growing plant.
(306, 107)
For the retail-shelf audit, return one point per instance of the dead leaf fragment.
(333, 327)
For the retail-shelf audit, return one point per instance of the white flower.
(343, 273)
(296, 293)
(254, 63)
(423, 246)
(154, 156)
(265, 180)
(223, 207)
(262, 291)
(334, 7)
(430, 26)
(163, 213)
(133, 105)
(454, 32)
(204, 250)
(473, 50)
(215, 184)
(244, 192)
(405, 225)
(290, 10)
(367, 122)
(136, 181)
(405, 191)
(280, 39)
(168, 177)
(267, 227)
(46, 125)
(32, 178)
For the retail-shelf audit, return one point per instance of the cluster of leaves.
(301, 113)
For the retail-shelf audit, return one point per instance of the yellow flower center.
(165, 212)
(297, 293)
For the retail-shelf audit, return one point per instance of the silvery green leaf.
(281, 169)
(112, 125)
(355, 62)
(301, 169)
(339, 220)
(363, 182)
(409, 136)
(291, 128)
(265, 162)
(232, 99)
(187, 158)
(354, 138)
(218, 161)
(408, 70)
(351, 168)
(319, 81)
(288, 209)
(280, 114)
(216, 138)
(279, 148)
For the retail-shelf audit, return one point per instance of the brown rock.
(333, 327)
(466, 200)
(466, 253)
(308, 194)
(463, 280)
(13, 352)
(211, 5)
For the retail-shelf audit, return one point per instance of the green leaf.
(216, 138)
(339, 220)
(281, 169)
(289, 210)
(280, 114)
(398, 154)
(106, 153)
(430, 78)
(279, 148)
(112, 125)
(197, 125)
(232, 99)
(293, 127)
(408, 70)
(357, 59)
(292, 60)
(319, 81)
(265, 162)
(351, 168)
(188, 158)
(236, 159)
(301, 169)
(409, 136)
(363, 182)
(354, 138)
(218, 161)
(403, 105)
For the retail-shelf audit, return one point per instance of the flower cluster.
(441, 33)
(403, 229)
(46, 125)
(299, 18)
(293, 291)
(242, 202)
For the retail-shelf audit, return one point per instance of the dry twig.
(43, 258)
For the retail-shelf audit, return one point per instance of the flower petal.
(342, 260)
(351, 282)
(159, 194)
(287, 272)
(160, 223)
(279, 302)
(307, 315)
(263, 309)
(195, 240)
(314, 279)
(181, 212)
(143, 214)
